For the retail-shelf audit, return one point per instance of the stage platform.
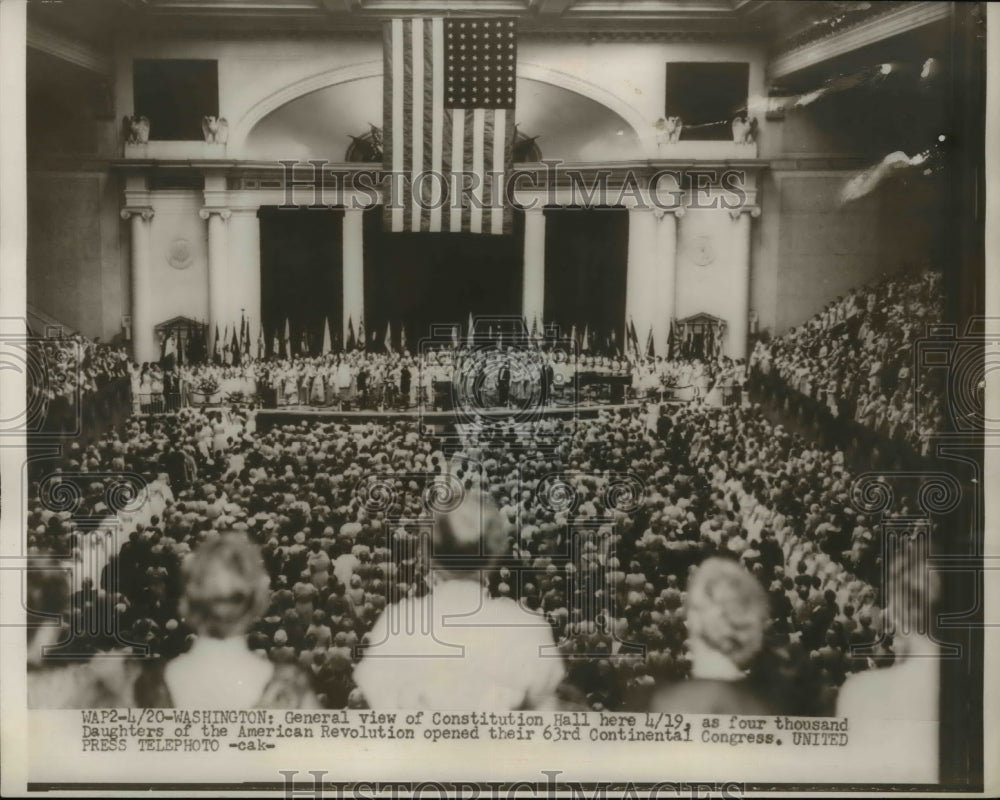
(293, 415)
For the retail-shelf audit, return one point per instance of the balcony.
(175, 151)
(692, 150)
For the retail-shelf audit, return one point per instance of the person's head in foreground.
(226, 588)
(727, 610)
(468, 539)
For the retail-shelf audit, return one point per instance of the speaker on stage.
(442, 396)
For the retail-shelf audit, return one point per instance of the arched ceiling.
(568, 125)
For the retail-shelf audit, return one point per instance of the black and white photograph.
(497, 398)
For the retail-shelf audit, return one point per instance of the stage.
(268, 418)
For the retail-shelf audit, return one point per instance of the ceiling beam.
(63, 47)
(340, 6)
(549, 7)
(892, 23)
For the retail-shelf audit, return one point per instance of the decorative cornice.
(62, 47)
(892, 23)
(207, 212)
(144, 212)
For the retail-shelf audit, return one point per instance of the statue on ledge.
(215, 129)
(669, 129)
(745, 130)
(135, 129)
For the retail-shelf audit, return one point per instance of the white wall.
(178, 292)
(258, 74)
(708, 287)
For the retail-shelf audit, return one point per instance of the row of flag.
(233, 347)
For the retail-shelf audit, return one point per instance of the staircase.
(45, 325)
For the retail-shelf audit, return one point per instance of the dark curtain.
(424, 279)
(301, 263)
(586, 257)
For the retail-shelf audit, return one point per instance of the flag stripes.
(449, 126)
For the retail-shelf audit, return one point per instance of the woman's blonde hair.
(727, 609)
(226, 587)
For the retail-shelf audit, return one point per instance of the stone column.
(218, 264)
(144, 344)
(244, 271)
(739, 325)
(641, 307)
(354, 271)
(533, 294)
(664, 289)
(13, 198)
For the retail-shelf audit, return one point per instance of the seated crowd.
(715, 482)
(875, 326)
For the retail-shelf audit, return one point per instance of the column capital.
(145, 212)
(224, 213)
(676, 213)
(753, 211)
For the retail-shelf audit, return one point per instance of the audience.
(69, 374)
(720, 482)
(638, 585)
(856, 358)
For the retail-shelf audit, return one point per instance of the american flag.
(448, 94)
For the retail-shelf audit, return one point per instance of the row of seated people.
(877, 326)
(713, 482)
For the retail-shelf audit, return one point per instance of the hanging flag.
(275, 347)
(286, 342)
(402, 340)
(572, 336)
(614, 344)
(327, 346)
(534, 329)
(362, 341)
(585, 345)
(235, 348)
(448, 106)
(469, 338)
(260, 344)
(454, 336)
(304, 343)
(387, 342)
(650, 349)
(351, 342)
(216, 351)
(633, 338)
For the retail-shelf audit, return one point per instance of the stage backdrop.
(301, 265)
(586, 261)
(421, 279)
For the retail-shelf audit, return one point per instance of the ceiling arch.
(314, 117)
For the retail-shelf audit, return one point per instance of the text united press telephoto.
(532, 398)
